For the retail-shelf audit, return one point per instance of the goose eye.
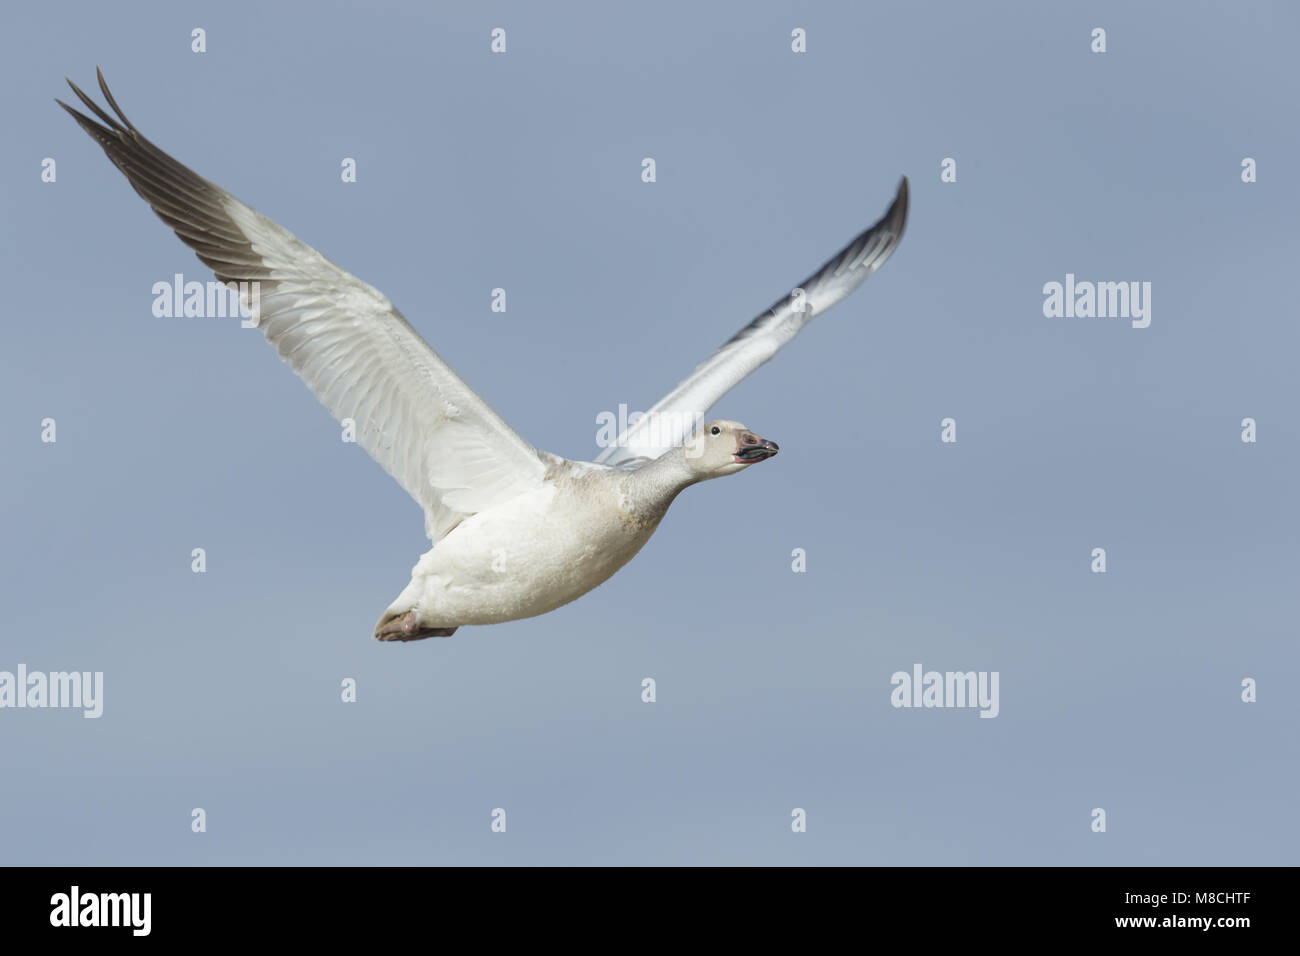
(715, 430)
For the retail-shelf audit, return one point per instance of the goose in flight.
(516, 531)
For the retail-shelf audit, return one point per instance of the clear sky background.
(222, 690)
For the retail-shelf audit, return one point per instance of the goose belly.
(523, 558)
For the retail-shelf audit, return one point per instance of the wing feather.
(672, 418)
(451, 452)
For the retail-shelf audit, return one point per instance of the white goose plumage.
(517, 531)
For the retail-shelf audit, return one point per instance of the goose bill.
(756, 449)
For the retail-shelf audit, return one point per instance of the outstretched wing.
(451, 452)
(671, 420)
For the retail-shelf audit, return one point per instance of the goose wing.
(675, 415)
(451, 452)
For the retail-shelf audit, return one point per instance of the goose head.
(721, 448)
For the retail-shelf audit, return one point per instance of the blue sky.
(476, 171)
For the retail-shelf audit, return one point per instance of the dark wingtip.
(898, 212)
(85, 122)
(103, 88)
(112, 124)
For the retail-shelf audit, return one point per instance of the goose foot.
(407, 627)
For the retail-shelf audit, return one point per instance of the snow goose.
(516, 531)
